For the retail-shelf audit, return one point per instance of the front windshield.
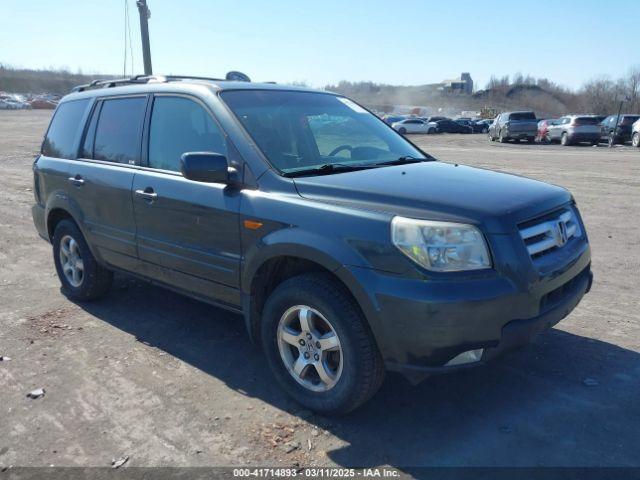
(300, 131)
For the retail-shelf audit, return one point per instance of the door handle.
(77, 180)
(147, 194)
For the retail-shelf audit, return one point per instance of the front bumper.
(422, 325)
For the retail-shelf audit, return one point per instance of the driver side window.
(179, 125)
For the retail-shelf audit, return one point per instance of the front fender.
(330, 253)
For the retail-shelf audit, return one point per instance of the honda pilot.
(347, 250)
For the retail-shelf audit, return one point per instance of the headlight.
(440, 246)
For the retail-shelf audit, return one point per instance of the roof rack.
(109, 83)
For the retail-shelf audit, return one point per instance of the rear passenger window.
(119, 128)
(64, 127)
(179, 125)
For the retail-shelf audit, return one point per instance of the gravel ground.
(167, 380)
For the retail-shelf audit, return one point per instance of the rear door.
(102, 177)
(187, 232)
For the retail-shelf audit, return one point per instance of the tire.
(635, 140)
(564, 140)
(362, 369)
(431, 131)
(402, 131)
(490, 137)
(612, 140)
(531, 139)
(92, 280)
(502, 138)
(595, 143)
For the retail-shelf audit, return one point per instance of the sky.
(402, 42)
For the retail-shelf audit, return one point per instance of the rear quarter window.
(65, 125)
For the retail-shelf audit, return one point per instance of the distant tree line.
(600, 95)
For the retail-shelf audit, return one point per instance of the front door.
(187, 232)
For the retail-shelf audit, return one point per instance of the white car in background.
(635, 134)
(414, 125)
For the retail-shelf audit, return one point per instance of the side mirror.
(206, 167)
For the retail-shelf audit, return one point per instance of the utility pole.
(622, 99)
(145, 14)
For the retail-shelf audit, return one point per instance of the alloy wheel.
(71, 261)
(310, 348)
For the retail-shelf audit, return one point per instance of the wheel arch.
(266, 274)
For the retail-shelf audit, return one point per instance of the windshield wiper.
(329, 168)
(405, 159)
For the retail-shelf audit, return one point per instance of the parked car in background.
(391, 119)
(414, 125)
(450, 126)
(572, 129)
(543, 130)
(12, 104)
(635, 134)
(475, 127)
(617, 128)
(514, 126)
(485, 123)
(435, 118)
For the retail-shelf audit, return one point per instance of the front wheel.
(502, 138)
(319, 346)
(402, 130)
(564, 140)
(635, 140)
(81, 276)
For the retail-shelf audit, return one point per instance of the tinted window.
(118, 131)
(179, 125)
(63, 129)
(522, 116)
(586, 121)
(87, 144)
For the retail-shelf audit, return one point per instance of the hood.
(439, 191)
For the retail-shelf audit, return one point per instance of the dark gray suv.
(347, 250)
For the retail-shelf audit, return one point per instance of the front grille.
(550, 232)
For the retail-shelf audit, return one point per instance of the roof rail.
(192, 77)
(118, 81)
(108, 83)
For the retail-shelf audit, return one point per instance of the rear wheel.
(402, 130)
(564, 140)
(318, 345)
(531, 139)
(612, 140)
(81, 276)
(501, 137)
(635, 140)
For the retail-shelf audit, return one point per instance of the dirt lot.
(166, 380)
